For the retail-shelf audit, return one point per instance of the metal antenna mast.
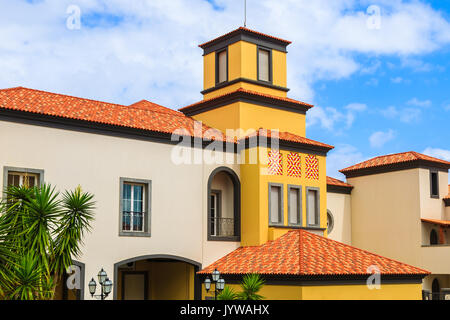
(245, 13)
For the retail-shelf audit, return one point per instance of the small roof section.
(443, 223)
(338, 186)
(243, 30)
(302, 253)
(336, 182)
(393, 162)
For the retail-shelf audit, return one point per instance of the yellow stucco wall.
(209, 70)
(336, 292)
(255, 184)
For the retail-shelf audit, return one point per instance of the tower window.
(312, 207)
(434, 184)
(275, 204)
(222, 66)
(264, 64)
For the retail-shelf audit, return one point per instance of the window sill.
(224, 238)
(134, 234)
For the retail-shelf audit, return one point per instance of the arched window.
(224, 205)
(330, 222)
(435, 289)
(433, 237)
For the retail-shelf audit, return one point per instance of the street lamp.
(105, 285)
(219, 283)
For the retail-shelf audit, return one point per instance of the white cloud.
(419, 103)
(342, 156)
(397, 80)
(380, 138)
(406, 115)
(329, 118)
(151, 51)
(437, 153)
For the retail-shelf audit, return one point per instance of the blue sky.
(375, 90)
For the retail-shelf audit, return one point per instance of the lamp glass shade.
(102, 276)
(92, 286)
(220, 284)
(107, 286)
(215, 275)
(207, 284)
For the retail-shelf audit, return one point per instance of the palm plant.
(39, 235)
(251, 284)
(227, 294)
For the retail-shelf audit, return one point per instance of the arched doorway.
(224, 205)
(436, 289)
(157, 277)
(76, 278)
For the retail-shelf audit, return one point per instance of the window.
(135, 207)
(295, 205)
(22, 177)
(433, 237)
(215, 212)
(222, 66)
(312, 207)
(264, 65)
(330, 222)
(434, 184)
(275, 204)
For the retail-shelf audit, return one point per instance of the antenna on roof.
(245, 13)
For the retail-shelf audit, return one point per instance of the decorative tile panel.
(312, 167)
(294, 165)
(275, 163)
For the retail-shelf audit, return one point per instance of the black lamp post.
(105, 285)
(219, 283)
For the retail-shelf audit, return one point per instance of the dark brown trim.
(270, 64)
(447, 202)
(125, 272)
(218, 67)
(423, 164)
(247, 80)
(242, 96)
(339, 189)
(56, 122)
(322, 280)
(244, 35)
(434, 195)
(297, 227)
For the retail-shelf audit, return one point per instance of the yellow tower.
(245, 90)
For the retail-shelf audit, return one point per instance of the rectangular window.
(312, 207)
(434, 184)
(22, 177)
(275, 204)
(135, 206)
(264, 63)
(295, 205)
(215, 213)
(222, 66)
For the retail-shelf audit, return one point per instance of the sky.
(376, 71)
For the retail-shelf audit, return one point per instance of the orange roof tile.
(336, 182)
(287, 136)
(250, 92)
(246, 30)
(299, 252)
(391, 159)
(143, 115)
(444, 223)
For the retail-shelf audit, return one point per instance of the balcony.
(222, 227)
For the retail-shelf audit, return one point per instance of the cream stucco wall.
(339, 205)
(96, 162)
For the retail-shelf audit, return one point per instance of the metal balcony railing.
(222, 227)
(133, 221)
(428, 295)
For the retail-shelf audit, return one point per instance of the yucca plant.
(39, 236)
(227, 293)
(251, 284)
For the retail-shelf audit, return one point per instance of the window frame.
(146, 207)
(218, 67)
(270, 64)
(299, 205)
(317, 225)
(432, 195)
(7, 170)
(330, 228)
(218, 194)
(281, 204)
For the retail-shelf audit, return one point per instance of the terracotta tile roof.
(231, 33)
(336, 182)
(287, 136)
(249, 92)
(444, 223)
(391, 159)
(299, 252)
(143, 115)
